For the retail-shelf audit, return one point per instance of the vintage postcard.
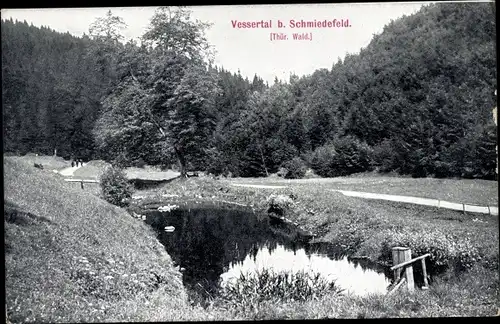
(249, 162)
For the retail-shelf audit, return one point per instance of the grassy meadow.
(70, 256)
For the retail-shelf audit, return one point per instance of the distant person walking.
(72, 163)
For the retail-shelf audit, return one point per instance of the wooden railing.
(401, 258)
(82, 181)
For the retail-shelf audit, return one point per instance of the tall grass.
(266, 284)
(73, 257)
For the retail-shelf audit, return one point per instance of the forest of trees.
(417, 100)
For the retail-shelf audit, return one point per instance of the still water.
(214, 245)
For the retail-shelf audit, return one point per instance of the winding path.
(69, 171)
(492, 210)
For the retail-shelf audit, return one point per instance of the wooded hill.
(417, 100)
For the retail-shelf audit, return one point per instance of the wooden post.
(81, 184)
(409, 270)
(396, 287)
(400, 255)
(424, 270)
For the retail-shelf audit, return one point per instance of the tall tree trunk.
(263, 160)
(182, 162)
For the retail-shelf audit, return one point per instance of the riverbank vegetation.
(463, 247)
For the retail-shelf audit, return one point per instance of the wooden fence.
(401, 259)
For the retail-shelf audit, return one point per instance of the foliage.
(447, 250)
(172, 30)
(115, 187)
(279, 204)
(420, 94)
(383, 156)
(294, 169)
(164, 108)
(251, 289)
(51, 88)
(342, 157)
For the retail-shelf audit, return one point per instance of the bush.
(279, 204)
(115, 187)
(268, 285)
(294, 169)
(447, 250)
(342, 157)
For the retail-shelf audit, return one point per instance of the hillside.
(417, 100)
(72, 257)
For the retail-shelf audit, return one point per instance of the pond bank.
(213, 244)
(368, 229)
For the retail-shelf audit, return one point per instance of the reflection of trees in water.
(206, 242)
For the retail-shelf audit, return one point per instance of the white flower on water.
(167, 208)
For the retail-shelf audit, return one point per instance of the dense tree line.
(417, 100)
(52, 85)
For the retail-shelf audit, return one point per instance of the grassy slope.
(478, 192)
(48, 162)
(70, 256)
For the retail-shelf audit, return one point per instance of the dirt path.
(257, 186)
(492, 210)
(69, 171)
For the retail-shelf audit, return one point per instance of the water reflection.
(214, 245)
(348, 275)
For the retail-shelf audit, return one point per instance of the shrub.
(115, 187)
(447, 250)
(294, 168)
(265, 285)
(282, 172)
(279, 204)
(342, 157)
